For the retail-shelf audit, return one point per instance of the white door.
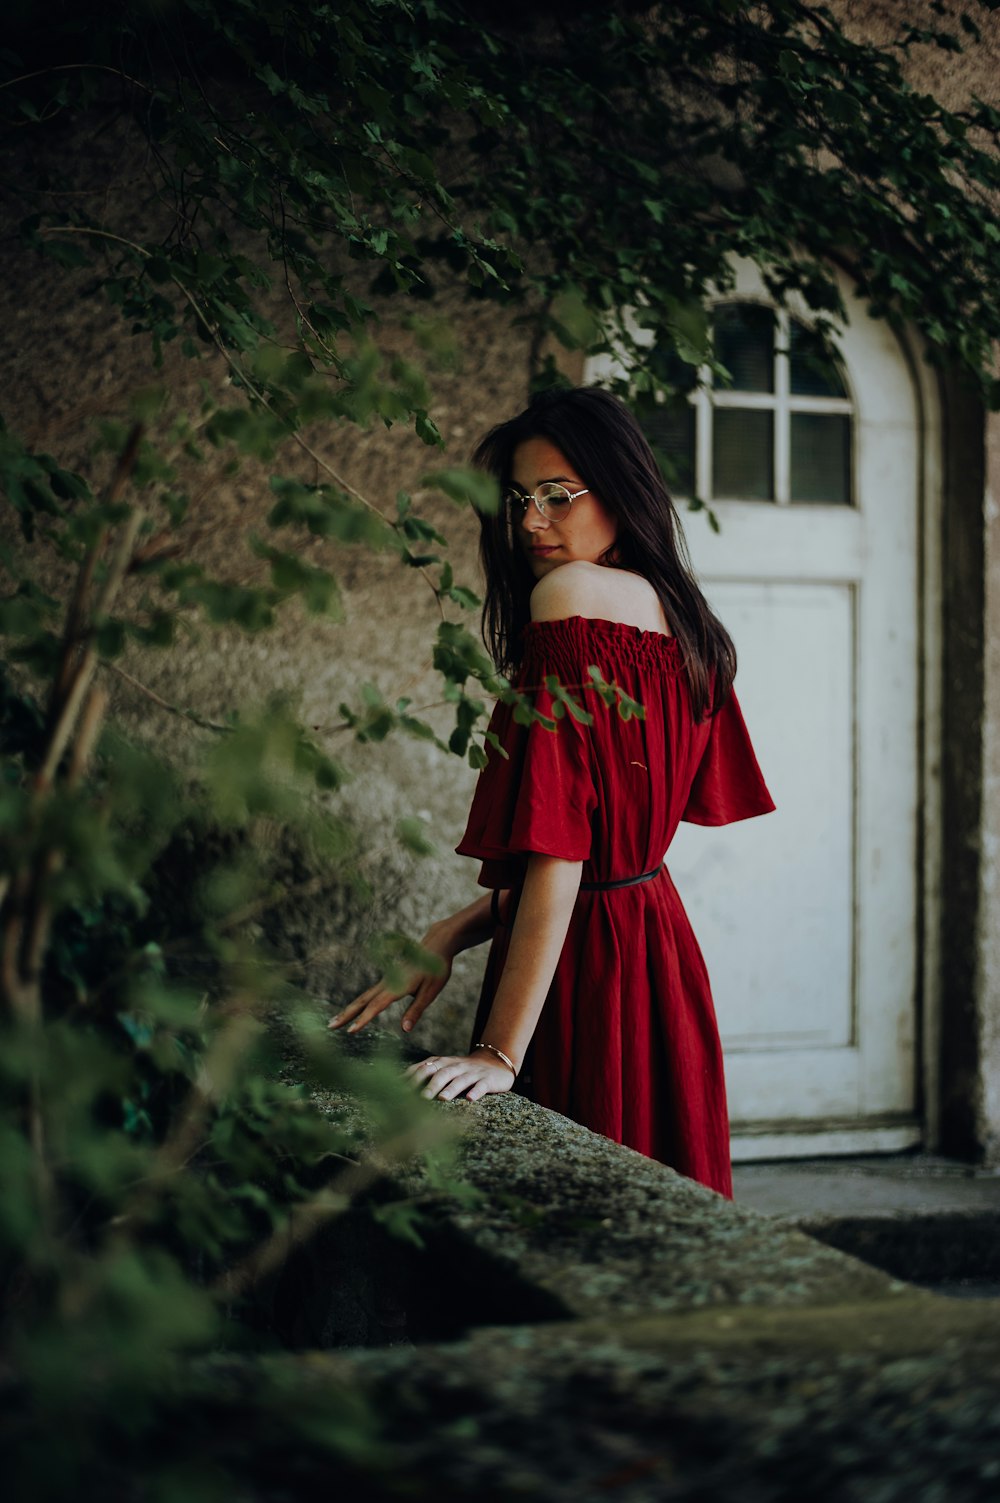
(808, 917)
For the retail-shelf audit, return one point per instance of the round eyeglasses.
(552, 500)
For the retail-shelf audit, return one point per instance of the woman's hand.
(422, 985)
(448, 1076)
(446, 939)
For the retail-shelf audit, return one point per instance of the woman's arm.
(547, 899)
(446, 938)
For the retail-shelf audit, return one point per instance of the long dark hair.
(607, 449)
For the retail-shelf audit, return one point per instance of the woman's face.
(585, 533)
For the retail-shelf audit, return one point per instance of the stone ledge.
(569, 1226)
(601, 1227)
(886, 1400)
(662, 1343)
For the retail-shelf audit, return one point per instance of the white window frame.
(781, 402)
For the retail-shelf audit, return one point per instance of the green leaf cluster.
(614, 696)
(153, 1143)
(616, 164)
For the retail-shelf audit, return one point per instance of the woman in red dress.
(595, 1001)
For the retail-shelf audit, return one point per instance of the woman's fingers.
(420, 985)
(361, 1011)
(456, 1086)
(423, 1066)
(350, 1011)
(446, 1082)
(423, 997)
(447, 1077)
(364, 1018)
(429, 987)
(482, 1088)
(434, 1072)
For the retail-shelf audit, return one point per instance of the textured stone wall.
(81, 366)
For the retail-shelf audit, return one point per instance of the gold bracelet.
(500, 1055)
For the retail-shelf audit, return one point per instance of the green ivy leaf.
(412, 832)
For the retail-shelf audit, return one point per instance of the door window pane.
(670, 428)
(742, 454)
(821, 457)
(744, 342)
(814, 371)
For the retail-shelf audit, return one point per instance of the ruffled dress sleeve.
(728, 784)
(541, 797)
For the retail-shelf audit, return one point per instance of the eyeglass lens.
(554, 501)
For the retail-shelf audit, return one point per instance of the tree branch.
(39, 904)
(87, 665)
(164, 704)
(73, 632)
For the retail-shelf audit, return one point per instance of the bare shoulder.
(567, 591)
(583, 589)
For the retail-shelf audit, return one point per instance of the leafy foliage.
(158, 1160)
(613, 158)
(592, 169)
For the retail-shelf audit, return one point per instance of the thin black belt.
(584, 887)
(621, 881)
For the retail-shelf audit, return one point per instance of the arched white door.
(808, 918)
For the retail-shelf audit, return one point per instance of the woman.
(595, 1001)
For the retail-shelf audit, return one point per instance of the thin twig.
(36, 929)
(234, 366)
(88, 663)
(73, 630)
(164, 704)
(86, 740)
(244, 379)
(11, 987)
(342, 726)
(39, 904)
(327, 350)
(75, 68)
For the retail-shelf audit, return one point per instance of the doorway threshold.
(767, 1141)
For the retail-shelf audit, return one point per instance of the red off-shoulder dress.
(627, 1042)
